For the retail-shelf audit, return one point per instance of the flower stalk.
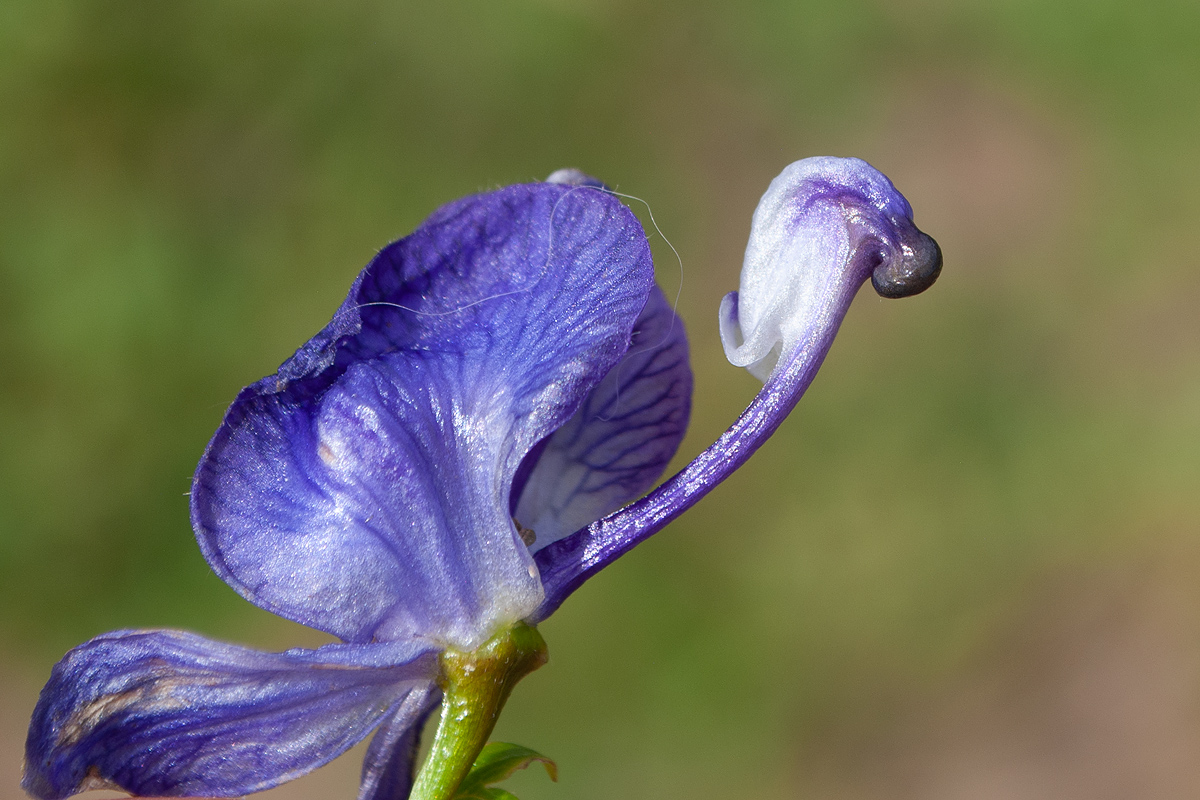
(475, 687)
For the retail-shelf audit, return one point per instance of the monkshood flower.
(434, 472)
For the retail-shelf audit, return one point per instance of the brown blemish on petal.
(83, 721)
(326, 454)
(94, 780)
(149, 697)
(527, 534)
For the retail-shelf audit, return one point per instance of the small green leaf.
(497, 762)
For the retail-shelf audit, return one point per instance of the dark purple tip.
(909, 269)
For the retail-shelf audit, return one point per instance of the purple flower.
(448, 460)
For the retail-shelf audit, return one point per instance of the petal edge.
(170, 713)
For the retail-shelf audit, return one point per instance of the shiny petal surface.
(169, 713)
(820, 229)
(387, 772)
(364, 489)
(622, 437)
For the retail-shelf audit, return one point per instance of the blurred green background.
(966, 567)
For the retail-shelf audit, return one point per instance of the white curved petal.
(800, 261)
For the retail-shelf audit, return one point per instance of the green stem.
(475, 686)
